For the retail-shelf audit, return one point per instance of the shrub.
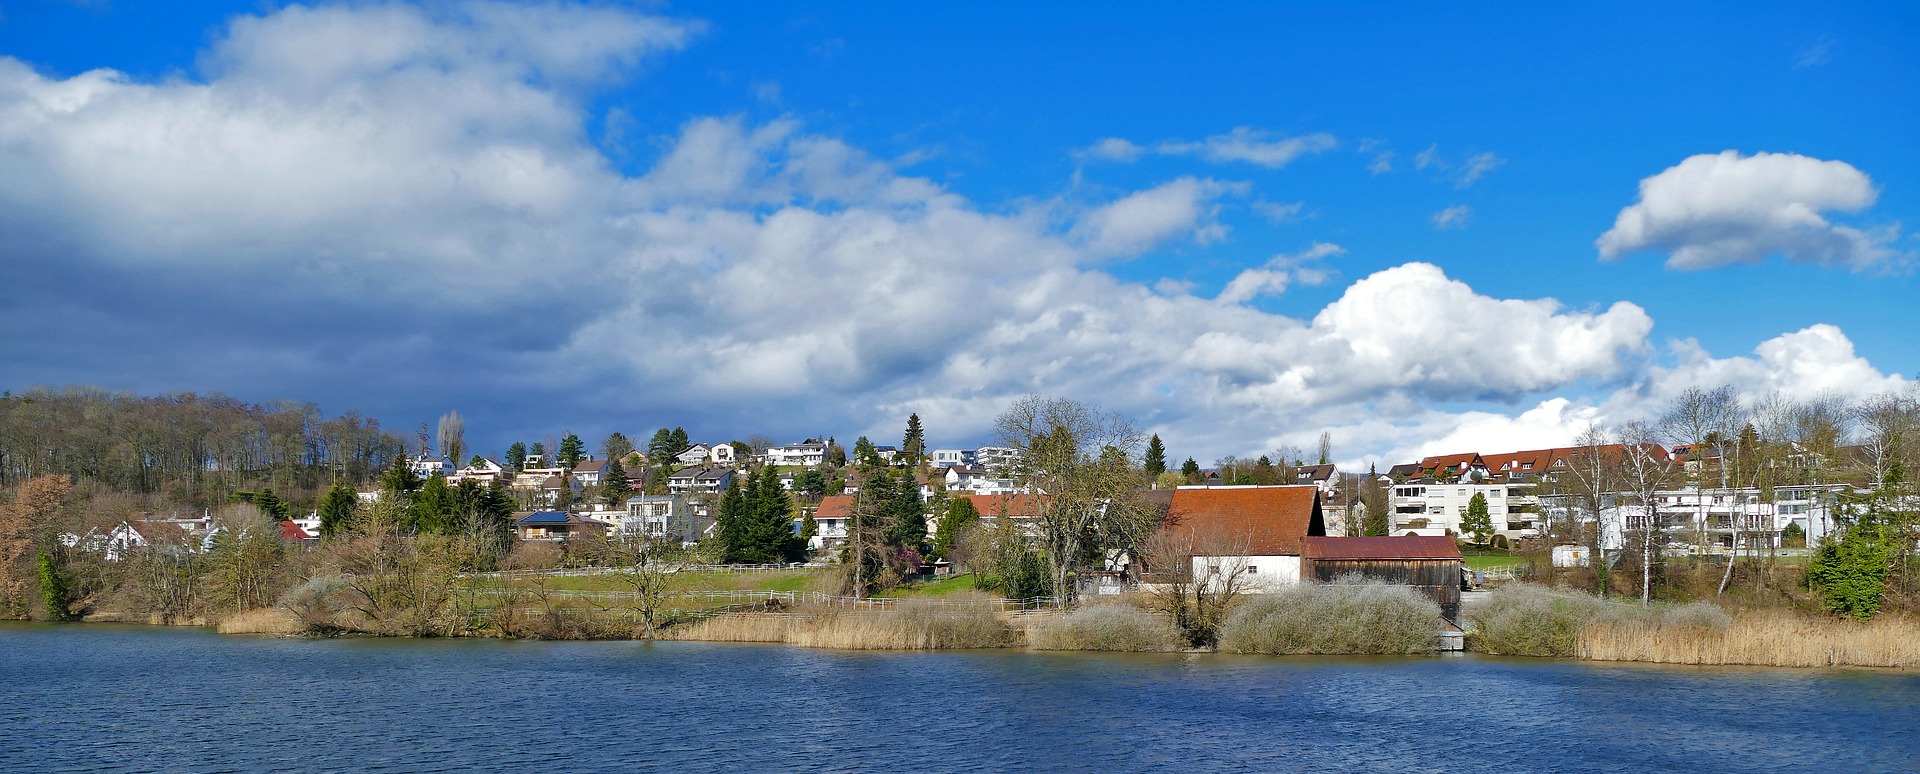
(1348, 616)
(1106, 627)
(318, 604)
(1522, 619)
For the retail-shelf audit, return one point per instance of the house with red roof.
(1253, 533)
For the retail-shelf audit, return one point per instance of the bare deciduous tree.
(1080, 458)
(453, 437)
(1196, 576)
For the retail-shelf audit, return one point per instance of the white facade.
(1261, 574)
(995, 459)
(946, 458)
(809, 454)
(1424, 508)
(661, 516)
(426, 468)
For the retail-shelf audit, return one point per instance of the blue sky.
(1241, 225)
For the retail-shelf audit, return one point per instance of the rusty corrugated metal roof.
(1408, 547)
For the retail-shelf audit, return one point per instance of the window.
(1437, 510)
(1252, 570)
(1460, 492)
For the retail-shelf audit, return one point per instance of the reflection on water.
(99, 698)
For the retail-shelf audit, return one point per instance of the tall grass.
(1106, 627)
(261, 620)
(1350, 616)
(1761, 637)
(912, 625)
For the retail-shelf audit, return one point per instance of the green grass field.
(1495, 562)
(940, 587)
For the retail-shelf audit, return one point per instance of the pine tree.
(271, 504)
(433, 508)
(336, 510)
(1156, 461)
(728, 522)
(516, 456)
(614, 485)
(661, 447)
(540, 450)
(680, 440)
(399, 480)
(914, 445)
(1190, 468)
(572, 450)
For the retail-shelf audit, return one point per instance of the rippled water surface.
(99, 698)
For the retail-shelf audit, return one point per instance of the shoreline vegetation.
(1517, 619)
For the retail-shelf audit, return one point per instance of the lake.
(113, 698)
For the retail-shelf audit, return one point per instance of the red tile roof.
(292, 532)
(1410, 547)
(834, 507)
(1273, 519)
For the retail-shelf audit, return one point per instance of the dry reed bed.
(1759, 638)
(263, 620)
(911, 627)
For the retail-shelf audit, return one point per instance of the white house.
(485, 472)
(830, 521)
(809, 453)
(700, 481)
(946, 458)
(662, 516)
(426, 468)
(590, 472)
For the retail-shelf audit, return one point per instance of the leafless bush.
(1107, 627)
(1348, 616)
(534, 555)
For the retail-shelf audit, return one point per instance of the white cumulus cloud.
(1717, 209)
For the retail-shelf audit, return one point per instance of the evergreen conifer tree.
(661, 446)
(572, 451)
(516, 456)
(271, 504)
(336, 509)
(914, 445)
(1190, 468)
(614, 485)
(1156, 461)
(680, 441)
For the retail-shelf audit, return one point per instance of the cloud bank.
(402, 209)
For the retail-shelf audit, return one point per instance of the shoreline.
(1019, 646)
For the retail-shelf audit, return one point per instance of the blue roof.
(545, 517)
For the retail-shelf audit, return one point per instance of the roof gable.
(1272, 519)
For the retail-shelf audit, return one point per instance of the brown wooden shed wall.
(1437, 578)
